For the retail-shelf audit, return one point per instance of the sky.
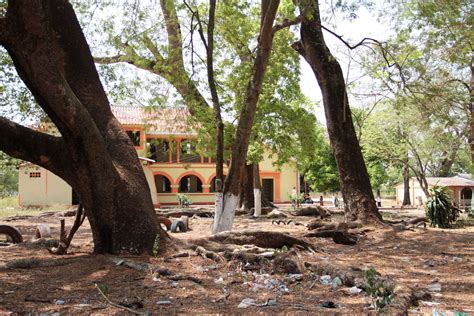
(366, 25)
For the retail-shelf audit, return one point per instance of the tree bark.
(406, 185)
(94, 155)
(355, 184)
(257, 190)
(225, 213)
(247, 201)
(471, 108)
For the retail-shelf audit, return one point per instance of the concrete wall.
(417, 194)
(47, 189)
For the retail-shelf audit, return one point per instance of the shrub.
(377, 289)
(183, 200)
(439, 208)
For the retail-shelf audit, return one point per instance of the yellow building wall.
(286, 177)
(48, 189)
(151, 183)
(284, 180)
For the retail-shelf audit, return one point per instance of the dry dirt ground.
(418, 259)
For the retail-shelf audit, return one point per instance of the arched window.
(213, 184)
(190, 184)
(163, 184)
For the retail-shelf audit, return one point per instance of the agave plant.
(439, 208)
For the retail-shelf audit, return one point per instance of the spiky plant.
(439, 208)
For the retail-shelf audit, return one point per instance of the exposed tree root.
(408, 225)
(64, 241)
(190, 213)
(262, 239)
(37, 263)
(324, 226)
(154, 269)
(288, 262)
(312, 211)
(402, 298)
(209, 254)
(114, 304)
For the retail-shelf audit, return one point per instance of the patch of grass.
(9, 207)
(19, 212)
(10, 201)
(464, 222)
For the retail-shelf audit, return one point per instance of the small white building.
(38, 186)
(461, 187)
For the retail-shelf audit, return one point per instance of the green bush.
(183, 200)
(377, 289)
(439, 208)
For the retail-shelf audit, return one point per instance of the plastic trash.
(246, 302)
(355, 290)
(282, 287)
(325, 279)
(294, 277)
(166, 302)
(434, 287)
(219, 280)
(336, 282)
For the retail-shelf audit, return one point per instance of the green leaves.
(439, 208)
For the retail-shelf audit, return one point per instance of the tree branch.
(153, 49)
(111, 59)
(287, 22)
(39, 148)
(175, 52)
(364, 42)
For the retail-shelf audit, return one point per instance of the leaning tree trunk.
(471, 109)
(93, 154)
(355, 184)
(406, 186)
(225, 208)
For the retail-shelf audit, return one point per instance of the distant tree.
(434, 54)
(8, 175)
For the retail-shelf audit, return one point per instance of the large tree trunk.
(225, 211)
(471, 109)
(355, 184)
(406, 185)
(94, 155)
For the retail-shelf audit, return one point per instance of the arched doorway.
(465, 198)
(190, 184)
(163, 184)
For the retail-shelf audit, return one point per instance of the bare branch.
(39, 148)
(150, 45)
(175, 52)
(287, 22)
(111, 59)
